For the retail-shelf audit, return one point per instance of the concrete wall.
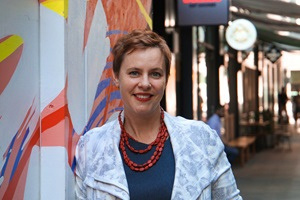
(55, 84)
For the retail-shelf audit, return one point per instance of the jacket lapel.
(109, 166)
(192, 168)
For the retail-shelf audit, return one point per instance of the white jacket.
(201, 167)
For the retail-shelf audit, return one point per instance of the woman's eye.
(156, 74)
(133, 73)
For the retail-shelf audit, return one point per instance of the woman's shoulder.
(198, 131)
(191, 124)
(97, 135)
(196, 136)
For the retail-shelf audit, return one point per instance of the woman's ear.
(116, 80)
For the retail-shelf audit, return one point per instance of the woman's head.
(141, 68)
(139, 40)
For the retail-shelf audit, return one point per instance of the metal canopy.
(276, 21)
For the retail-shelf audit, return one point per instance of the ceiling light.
(247, 11)
(234, 9)
(298, 2)
(287, 19)
(298, 21)
(241, 10)
(274, 17)
(283, 33)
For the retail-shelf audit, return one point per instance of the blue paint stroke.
(19, 155)
(97, 111)
(107, 66)
(115, 95)
(8, 155)
(101, 86)
(73, 164)
(115, 32)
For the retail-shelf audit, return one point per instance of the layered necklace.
(159, 142)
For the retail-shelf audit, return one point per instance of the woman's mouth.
(143, 97)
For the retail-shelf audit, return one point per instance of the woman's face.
(142, 81)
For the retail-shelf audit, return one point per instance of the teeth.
(143, 96)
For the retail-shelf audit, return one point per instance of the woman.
(146, 153)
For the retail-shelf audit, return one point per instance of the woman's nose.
(144, 82)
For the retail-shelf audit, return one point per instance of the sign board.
(200, 1)
(202, 12)
(273, 54)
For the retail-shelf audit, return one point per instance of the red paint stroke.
(57, 127)
(53, 119)
(9, 193)
(9, 186)
(8, 66)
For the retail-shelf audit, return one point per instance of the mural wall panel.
(55, 84)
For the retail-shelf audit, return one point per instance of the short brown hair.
(140, 39)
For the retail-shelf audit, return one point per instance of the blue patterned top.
(149, 184)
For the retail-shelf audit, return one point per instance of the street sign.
(202, 12)
(273, 54)
(200, 1)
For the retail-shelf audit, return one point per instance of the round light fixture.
(241, 34)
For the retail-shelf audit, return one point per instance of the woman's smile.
(143, 97)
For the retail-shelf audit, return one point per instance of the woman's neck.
(143, 129)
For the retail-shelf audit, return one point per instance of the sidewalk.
(272, 174)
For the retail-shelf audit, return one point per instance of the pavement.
(272, 173)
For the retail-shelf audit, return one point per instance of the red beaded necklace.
(159, 142)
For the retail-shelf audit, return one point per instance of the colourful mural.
(55, 84)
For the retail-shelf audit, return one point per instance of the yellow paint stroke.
(58, 6)
(8, 46)
(144, 12)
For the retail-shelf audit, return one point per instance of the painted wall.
(55, 84)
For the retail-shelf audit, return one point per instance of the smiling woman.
(147, 153)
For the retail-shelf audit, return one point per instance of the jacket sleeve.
(80, 170)
(224, 185)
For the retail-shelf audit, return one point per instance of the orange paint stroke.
(90, 11)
